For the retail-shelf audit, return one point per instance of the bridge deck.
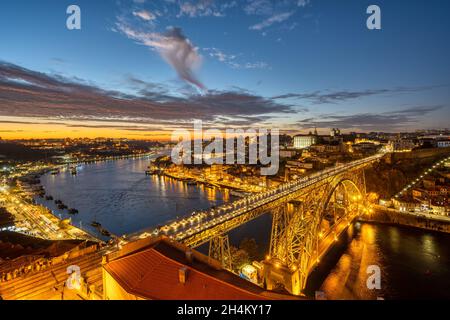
(201, 227)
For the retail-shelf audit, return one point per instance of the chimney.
(182, 274)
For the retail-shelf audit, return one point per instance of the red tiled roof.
(152, 275)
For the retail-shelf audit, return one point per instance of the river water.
(414, 263)
(122, 198)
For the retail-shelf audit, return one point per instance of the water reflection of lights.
(394, 239)
(428, 244)
(368, 234)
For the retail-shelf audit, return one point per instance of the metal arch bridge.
(297, 242)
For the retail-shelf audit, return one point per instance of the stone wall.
(405, 219)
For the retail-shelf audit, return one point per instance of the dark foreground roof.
(153, 273)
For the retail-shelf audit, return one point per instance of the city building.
(304, 141)
(443, 143)
(401, 145)
(287, 153)
(365, 147)
(407, 205)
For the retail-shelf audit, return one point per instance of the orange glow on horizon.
(36, 130)
(18, 128)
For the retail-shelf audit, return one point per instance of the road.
(416, 214)
(36, 221)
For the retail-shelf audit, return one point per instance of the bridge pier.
(276, 274)
(219, 249)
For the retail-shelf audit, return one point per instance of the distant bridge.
(308, 216)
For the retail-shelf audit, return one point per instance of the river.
(122, 198)
(414, 263)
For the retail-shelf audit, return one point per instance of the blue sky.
(318, 53)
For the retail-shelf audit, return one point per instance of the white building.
(443, 143)
(304, 141)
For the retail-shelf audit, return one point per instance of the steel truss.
(219, 249)
(295, 245)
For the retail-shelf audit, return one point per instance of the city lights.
(242, 151)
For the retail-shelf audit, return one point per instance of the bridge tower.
(219, 249)
(297, 237)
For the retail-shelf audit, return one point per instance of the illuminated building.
(402, 145)
(304, 141)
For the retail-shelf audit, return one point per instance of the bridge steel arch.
(296, 245)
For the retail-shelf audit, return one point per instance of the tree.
(238, 258)
(251, 247)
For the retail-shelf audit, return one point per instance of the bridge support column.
(219, 249)
(278, 239)
(276, 275)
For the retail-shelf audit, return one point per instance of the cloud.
(258, 7)
(302, 3)
(416, 111)
(144, 15)
(202, 8)
(256, 65)
(373, 122)
(276, 18)
(63, 99)
(319, 97)
(220, 55)
(173, 47)
(233, 61)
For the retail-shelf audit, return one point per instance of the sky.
(143, 68)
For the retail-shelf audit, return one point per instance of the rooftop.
(153, 273)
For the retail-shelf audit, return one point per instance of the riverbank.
(30, 190)
(111, 158)
(239, 189)
(394, 217)
(38, 221)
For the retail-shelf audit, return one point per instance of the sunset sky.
(142, 68)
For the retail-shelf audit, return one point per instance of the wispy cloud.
(144, 15)
(258, 7)
(302, 3)
(173, 47)
(276, 18)
(320, 97)
(386, 121)
(234, 60)
(202, 8)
